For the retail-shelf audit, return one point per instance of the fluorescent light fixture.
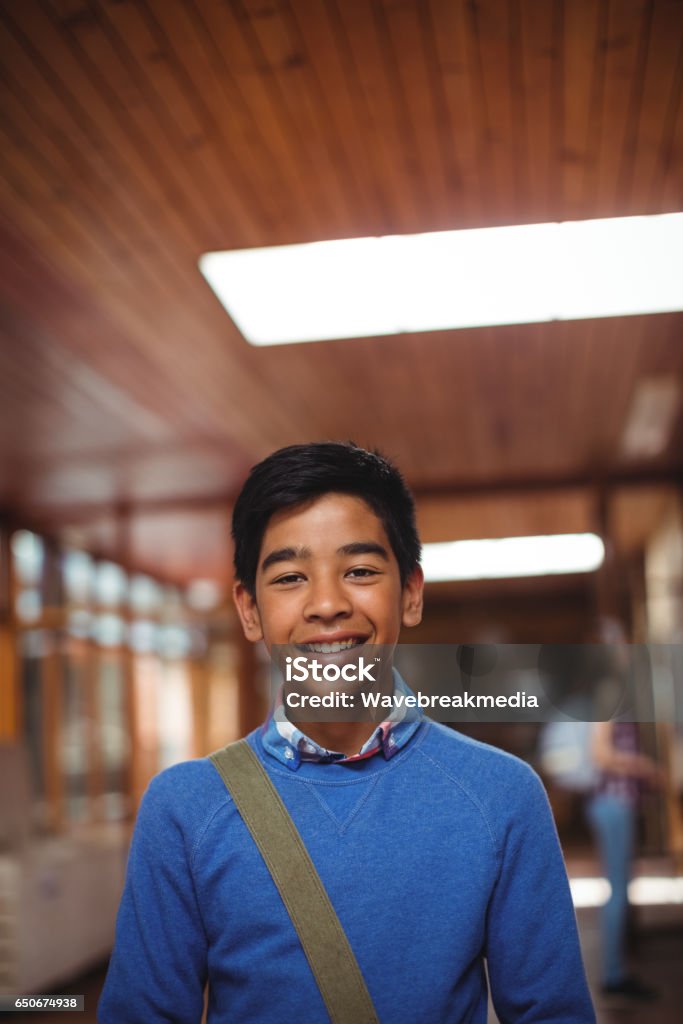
(449, 279)
(654, 407)
(512, 557)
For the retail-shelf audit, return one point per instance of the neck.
(345, 737)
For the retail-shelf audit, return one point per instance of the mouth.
(331, 646)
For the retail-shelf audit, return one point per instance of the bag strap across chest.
(322, 937)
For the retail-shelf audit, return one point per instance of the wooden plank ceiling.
(137, 134)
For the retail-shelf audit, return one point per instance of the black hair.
(302, 472)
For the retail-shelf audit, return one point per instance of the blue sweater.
(434, 860)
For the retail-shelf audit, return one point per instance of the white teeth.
(332, 648)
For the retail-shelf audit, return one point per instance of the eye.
(362, 572)
(288, 578)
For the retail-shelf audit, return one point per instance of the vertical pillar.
(51, 700)
(664, 593)
(124, 555)
(10, 697)
(614, 600)
(53, 676)
(608, 586)
(199, 679)
(91, 661)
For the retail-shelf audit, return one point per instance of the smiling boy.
(327, 578)
(439, 854)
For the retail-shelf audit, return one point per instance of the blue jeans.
(613, 822)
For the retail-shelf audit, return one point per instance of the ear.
(412, 598)
(248, 612)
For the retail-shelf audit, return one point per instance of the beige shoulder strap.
(324, 941)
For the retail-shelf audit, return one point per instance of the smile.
(331, 648)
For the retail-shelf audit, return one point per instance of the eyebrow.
(364, 547)
(284, 555)
(359, 547)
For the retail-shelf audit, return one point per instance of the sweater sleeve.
(158, 967)
(534, 960)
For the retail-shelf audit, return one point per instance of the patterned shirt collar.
(291, 746)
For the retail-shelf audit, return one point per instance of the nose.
(327, 600)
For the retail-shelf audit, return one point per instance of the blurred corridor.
(139, 136)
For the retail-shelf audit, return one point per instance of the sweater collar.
(284, 741)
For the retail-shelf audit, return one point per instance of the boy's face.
(327, 574)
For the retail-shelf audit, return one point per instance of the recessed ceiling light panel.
(443, 280)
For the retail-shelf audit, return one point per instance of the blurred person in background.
(624, 773)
